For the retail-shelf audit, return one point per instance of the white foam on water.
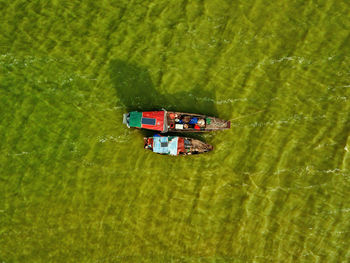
(110, 138)
(22, 153)
(225, 101)
(18, 154)
(273, 61)
(297, 59)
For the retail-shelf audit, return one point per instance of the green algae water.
(77, 186)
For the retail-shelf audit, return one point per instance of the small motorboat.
(174, 145)
(172, 121)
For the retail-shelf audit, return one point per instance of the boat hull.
(172, 121)
(175, 145)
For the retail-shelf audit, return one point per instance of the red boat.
(171, 121)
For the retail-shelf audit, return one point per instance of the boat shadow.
(136, 91)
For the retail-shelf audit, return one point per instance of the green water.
(77, 186)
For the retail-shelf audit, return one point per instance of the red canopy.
(153, 120)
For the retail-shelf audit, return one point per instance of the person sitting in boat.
(190, 122)
(201, 123)
(185, 119)
(197, 123)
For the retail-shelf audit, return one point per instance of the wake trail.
(241, 117)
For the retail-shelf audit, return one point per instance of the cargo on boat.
(171, 121)
(174, 145)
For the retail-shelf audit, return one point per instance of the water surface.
(77, 186)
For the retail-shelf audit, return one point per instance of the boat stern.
(126, 117)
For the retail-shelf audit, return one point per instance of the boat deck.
(208, 123)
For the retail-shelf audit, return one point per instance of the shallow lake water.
(76, 184)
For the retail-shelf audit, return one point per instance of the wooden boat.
(174, 145)
(172, 121)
